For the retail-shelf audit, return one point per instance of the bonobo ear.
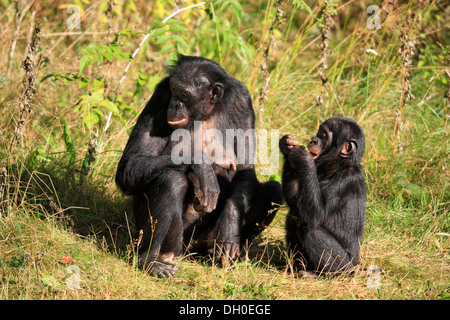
(217, 92)
(349, 149)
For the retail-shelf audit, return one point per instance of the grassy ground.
(56, 203)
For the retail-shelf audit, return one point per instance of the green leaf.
(275, 177)
(98, 57)
(177, 28)
(68, 141)
(126, 55)
(163, 39)
(173, 22)
(224, 5)
(166, 48)
(180, 50)
(142, 75)
(50, 281)
(115, 49)
(85, 61)
(180, 40)
(141, 82)
(209, 13)
(82, 82)
(237, 11)
(156, 24)
(153, 81)
(158, 32)
(119, 58)
(108, 56)
(303, 5)
(90, 119)
(125, 32)
(89, 50)
(93, 99)
(109, 105)
(104, 47)
(172, 58)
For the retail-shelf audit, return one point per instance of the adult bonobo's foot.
(160, 268)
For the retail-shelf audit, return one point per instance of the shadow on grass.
(95, 209)
(90, 208)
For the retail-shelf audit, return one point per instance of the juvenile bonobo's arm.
(300, 168)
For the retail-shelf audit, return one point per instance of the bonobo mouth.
(177, 123)
(314, 155)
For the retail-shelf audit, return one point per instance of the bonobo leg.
(264, 207)
(324, 253)
(159, 226)
(239, 221)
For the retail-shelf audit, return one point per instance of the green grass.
(51, 211)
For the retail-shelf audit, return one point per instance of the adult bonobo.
(195, 188)
(325, 191)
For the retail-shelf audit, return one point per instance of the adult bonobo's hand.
(206, 187)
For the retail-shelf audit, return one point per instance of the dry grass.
(51, 211)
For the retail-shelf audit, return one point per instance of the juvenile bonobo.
(199, 194)
(325, 191)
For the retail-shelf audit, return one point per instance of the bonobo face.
(338, 137)
(192, 100)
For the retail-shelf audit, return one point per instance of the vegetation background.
(67, 107)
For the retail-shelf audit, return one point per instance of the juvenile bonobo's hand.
(206, 187)
(287, 143)
(294, 153)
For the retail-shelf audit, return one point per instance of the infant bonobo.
(325, 191)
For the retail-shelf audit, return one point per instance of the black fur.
(203, 208)
(326, 196)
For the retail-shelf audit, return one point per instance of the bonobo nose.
(176, 105)
(313, 142)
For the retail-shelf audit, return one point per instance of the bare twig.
(447, 92)
(406, 52)
(24, 103)
(29, 84)
(279, 18)
(326, 25)
(17, 24)
(3, 179)
(447, 95)
(89, 158)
